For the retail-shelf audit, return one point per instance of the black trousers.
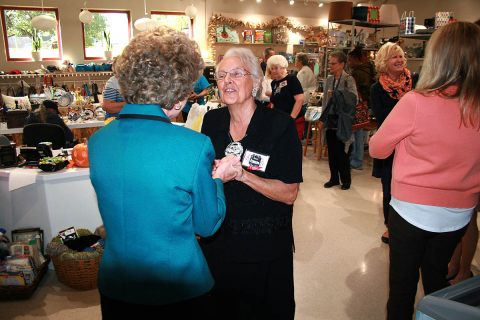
(338, 159)
(386, 179)
(413, 249)
(195, 308)
(254, 291)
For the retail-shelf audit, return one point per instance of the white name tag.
(255, 161)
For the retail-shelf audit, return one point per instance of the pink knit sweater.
(437, 159)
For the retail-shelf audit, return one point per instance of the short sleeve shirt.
(199, 86)
(284, 92)
(112, 92)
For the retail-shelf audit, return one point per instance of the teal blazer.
(155, 193)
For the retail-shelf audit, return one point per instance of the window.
(18, 33)
(114, 24)
(175, 20)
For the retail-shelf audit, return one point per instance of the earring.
(254, 92)
(177, 106)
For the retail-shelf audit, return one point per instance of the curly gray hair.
(158, 67)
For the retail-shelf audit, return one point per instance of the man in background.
(112, 99)
(266, 54)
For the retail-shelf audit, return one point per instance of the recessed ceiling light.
(292, 2)
(259, 1)
(320, 4)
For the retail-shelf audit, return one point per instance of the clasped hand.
(226, 169)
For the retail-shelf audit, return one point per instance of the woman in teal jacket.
(154, 185)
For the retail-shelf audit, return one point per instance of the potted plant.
(108, 45)
(36, 46)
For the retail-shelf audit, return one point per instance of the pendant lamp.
(85, 16)
(44, 22)
(191, 11)
(145, 23)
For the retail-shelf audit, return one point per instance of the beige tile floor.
(340, 263)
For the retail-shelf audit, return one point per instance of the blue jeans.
(356, 157)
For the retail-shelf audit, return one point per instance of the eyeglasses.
(235, 74)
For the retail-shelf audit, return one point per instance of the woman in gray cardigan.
(338, 151)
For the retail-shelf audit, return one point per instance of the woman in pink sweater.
(435, 133)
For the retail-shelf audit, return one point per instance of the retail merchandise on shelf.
(347, 40)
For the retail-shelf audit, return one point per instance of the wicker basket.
(78, 270)
(77, 274)
(24, 292)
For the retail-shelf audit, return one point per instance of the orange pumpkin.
(80, 155)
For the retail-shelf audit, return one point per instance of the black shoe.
(345, 186)
(330, 184)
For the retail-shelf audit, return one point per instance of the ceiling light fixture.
(320, 4)
(44, 22)
(85, 16)
(259, 1)
(292, 2)
(191, 11)
(145, 23)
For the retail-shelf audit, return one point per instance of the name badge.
(255, 161)
(280, 86)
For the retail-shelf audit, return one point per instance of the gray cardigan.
(346, 82)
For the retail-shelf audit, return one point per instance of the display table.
(80, 130)
(50, 201)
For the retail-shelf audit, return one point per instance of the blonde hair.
(387, 51)
(452, 59)
(158, 67)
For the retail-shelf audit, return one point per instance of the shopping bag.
(361, 119)
(441, 18)
(407, 23)
(313, 113)
(195, 117)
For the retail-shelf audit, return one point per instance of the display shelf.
(249, 44)
(57, 75)
(358, 23)
(349, 48)
(418, 36)
(354, 24)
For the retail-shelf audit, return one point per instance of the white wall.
(468, 10)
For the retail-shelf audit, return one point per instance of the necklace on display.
(234, 147)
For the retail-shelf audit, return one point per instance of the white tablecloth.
(55, 201)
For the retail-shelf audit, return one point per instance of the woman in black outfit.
(394, 81)
(251, 256)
